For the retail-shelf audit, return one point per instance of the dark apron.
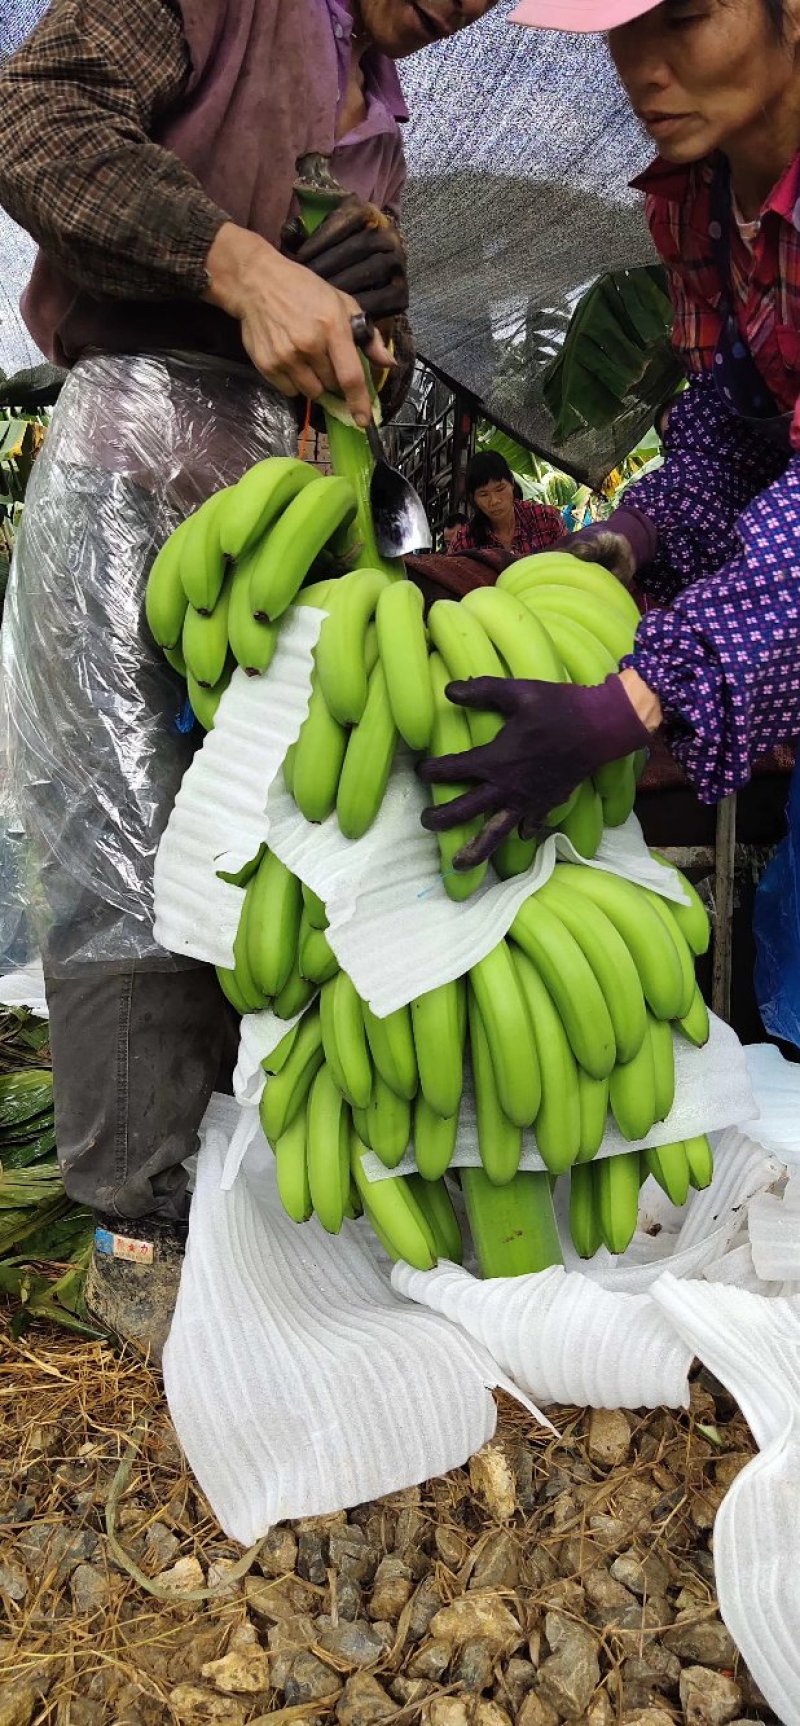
(744, 392)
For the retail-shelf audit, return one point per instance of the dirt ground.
(551, 1580)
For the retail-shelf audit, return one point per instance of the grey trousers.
(136, 1055)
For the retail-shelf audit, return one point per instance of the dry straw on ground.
(551, 1580)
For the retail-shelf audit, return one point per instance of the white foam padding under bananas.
(752, 1344)
(392, 926)
(219, 818)
(299, 1381)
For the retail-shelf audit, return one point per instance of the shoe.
(133, 1280)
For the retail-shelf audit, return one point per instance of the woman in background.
(501, 518)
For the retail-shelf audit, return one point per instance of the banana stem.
(514, 1226)
(350, 452)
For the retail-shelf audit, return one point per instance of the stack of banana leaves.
(45, 1239)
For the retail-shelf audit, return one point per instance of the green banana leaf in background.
(617, 344)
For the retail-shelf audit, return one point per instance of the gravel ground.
(552, 1580)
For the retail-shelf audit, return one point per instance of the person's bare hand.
(295, 327)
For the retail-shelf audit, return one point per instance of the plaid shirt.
(536, 526)
(765, 281)
(78, 165)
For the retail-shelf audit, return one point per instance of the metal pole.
(723, 902)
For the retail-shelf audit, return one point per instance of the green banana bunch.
(617, 1182)
(403, 648)
(273, 907)
(523, 643)
(367, 761)
(451, 736)
(257, 500)
(282, 561)
(506, 1025)
(341, 655)
(396, 1214)
(499, 1138)
(286, 1093)
(328, 1129)
(438, 1021)
(561, 569)
(571, 982)
(669, 1166)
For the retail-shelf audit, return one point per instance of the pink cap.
(584, 15)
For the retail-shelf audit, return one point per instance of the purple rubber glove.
(555, 735)
(624, 543)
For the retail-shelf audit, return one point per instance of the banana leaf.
(617, 345)
(21, 1153)
(24, 1095)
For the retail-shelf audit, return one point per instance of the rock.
(13, 1580)
(410, 1527)
(290, 1635)
(244, 1670)
(351, 1554)
(608, 1437)
(89, 1590)
(426, 1603)
(497, 1564)
(519, 1677)
(278, 1555)
(79, 1711)
(194, 1706)
(450, 1545)
(18, 1701)
(645, 1674)
(312, 1562)
(706, 1642)
(480, 1616)
(606, 1595)
(430, 1660)
(391, 1589)
(356, 1644)
(474, 1668)
(349, 1598)
(410, 1691)
(488, 1714)
(309, 1679)
(647, 1717)
(219, 1579)
(276, 1601)
(564, 1595)
(184, 1577)
(492, 1480)
(445, 1711)
(160, 1547)
(184, 1662)
(599, 1711)
(641, 1575)
(569, 1678)
(708, 1698)
(364, 1702)
(535, 1712)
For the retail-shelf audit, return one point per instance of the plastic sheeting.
(97, 733)
(520, 148)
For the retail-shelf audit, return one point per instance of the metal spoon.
(398, 513)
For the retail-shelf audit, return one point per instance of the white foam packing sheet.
(391, 924)
(305, 1374)
(298, 1379)
(712, 1091)
(219, 817)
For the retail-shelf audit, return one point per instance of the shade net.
(520, 149)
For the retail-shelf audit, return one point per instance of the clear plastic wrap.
(95, 728)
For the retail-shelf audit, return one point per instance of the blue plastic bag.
(777, 931)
